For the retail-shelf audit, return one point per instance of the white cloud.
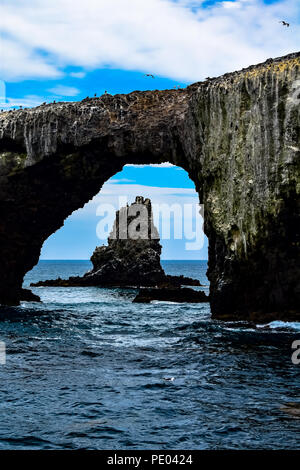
(181, 40)
(77, 74)
(142, 190)
(111, 192)
(18, 61)
(61, 90)
(28, 101)
(121, 180)
(154, 165)
(228, 4)
(2, 92)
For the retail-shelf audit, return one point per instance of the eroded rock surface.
(132, 256)
(238, 136)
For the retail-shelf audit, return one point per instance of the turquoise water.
(85, 370)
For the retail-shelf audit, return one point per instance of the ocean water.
(85, 369)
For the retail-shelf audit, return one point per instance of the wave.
(281, 325)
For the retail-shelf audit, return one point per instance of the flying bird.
(284, 23)
(149, 75)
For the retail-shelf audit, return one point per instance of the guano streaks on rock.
(238, 136)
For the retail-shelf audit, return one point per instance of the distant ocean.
(85, 369)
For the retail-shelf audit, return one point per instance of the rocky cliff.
(238, 136)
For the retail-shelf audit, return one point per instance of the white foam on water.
(287, 325)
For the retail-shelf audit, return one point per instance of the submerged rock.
(132, 257)
(171, 295)
(292, 409)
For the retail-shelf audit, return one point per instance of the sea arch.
(237, 136)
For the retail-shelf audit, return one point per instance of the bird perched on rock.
(149, 75)
(284, 23)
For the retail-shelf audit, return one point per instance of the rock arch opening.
(173, 197)
(168, 260)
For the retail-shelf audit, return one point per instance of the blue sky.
(71, 88)
(65, 50)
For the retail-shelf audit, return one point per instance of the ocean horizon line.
(80, 259)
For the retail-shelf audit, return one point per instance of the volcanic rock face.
(238, 137)
(132, 256)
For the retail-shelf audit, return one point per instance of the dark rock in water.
(180, 281)
(29, 296)
(171, 295)
(73, 281)
(132, 257)
(292, 409)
